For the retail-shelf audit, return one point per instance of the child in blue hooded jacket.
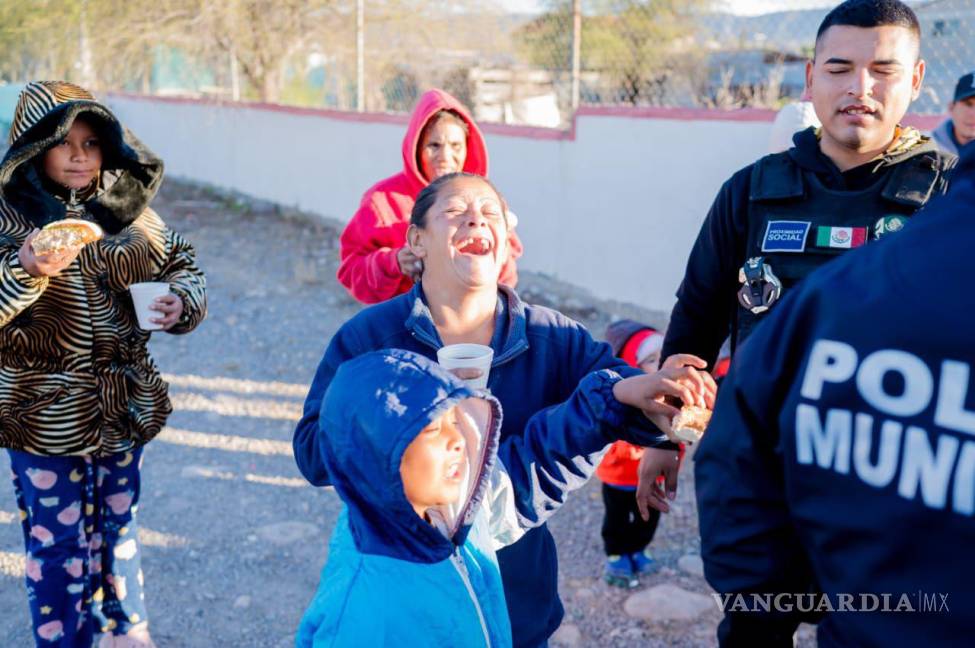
(432, 493)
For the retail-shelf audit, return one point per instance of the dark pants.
(624, 531)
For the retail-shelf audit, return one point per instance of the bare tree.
(264, 36)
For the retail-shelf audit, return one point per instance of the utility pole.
(234, 75)
(234, 66)
(84, 46)
(576, 51)
(360, 56)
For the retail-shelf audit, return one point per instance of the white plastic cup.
(143, 294)
(469, 362)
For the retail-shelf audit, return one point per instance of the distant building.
(948, 42)
(754, 77)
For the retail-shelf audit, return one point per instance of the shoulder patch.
(888, 224)
(785, 236)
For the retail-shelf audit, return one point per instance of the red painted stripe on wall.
(923, 122)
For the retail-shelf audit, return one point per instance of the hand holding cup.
(469, 362)
(171, 306)
(152, 297)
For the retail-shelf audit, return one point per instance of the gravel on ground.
(234, 539)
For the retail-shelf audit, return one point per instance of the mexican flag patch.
(840, 237)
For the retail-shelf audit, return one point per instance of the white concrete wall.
(617, 210)
(613, 208)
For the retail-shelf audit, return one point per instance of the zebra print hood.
(131, 173)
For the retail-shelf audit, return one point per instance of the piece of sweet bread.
(689, 424)
(65, 234)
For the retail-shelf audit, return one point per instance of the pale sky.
(755, 7)
(741, 7)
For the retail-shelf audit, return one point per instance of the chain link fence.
(512, 61)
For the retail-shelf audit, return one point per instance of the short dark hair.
(871, 13)
(428, 196)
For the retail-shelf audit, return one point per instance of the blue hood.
(373, 409)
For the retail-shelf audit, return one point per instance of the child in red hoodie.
(441, 138)
(626, 535)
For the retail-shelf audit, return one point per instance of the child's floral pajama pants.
(80, 533)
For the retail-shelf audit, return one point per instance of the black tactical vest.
(797, 224)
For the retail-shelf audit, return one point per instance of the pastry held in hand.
(70, 233)
(689, 424)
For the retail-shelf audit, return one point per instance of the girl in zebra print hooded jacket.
(79, 393)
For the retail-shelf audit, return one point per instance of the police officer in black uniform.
(839, 462)
(858, 178)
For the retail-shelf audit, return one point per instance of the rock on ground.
(667, 603)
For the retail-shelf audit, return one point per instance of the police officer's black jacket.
(841, 456)
(800, 194)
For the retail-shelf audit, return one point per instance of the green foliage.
(33, 37)
(115, 43)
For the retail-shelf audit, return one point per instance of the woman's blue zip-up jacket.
(540, 357)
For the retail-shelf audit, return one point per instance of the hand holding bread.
(47, 252)
(680, 380)
(63, 235)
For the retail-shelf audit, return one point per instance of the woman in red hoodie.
(441, 138)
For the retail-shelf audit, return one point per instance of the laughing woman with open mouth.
(459, 230)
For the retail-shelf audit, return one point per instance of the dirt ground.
(233, 537)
